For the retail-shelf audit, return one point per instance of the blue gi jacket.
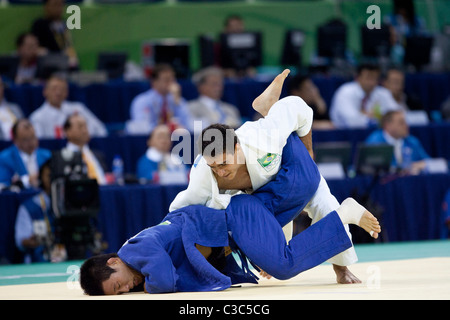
(166, 254)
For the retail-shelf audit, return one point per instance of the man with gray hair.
(208, 107)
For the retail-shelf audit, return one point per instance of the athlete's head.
(220, 147)
(107, 274)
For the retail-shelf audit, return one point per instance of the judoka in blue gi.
(189, 249)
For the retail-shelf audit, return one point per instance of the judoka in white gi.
(213, 180)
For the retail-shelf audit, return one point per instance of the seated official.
(362, 102)
(157, 164)
(49, 118)
(161, 104)
(304, 87)
(208, 107)
(9, 113)
(78, 137)
(409, 153)
(20, 163)
(35, 225)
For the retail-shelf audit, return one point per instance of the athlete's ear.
(112, 261)
(239, 154)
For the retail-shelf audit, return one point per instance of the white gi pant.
(318, 207)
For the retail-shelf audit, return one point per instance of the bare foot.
(369, 223)
(344, 276)
(265, 100)
(264, 274)
(352, 212)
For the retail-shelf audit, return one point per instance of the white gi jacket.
(262, 142)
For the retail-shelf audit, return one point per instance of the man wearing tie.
(163, 103)
(362, 102)
(77, 134)
(21, 161)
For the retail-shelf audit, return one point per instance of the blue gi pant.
(259, 235)
(255, 221)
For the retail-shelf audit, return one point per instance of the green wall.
(124, 27)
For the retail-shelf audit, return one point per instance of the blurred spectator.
(49, 118)
(303, 87)
(362, 102)
(162, 104)
(403, 22)
(445, 217)
(158, 164)
(394, 81)
(234, 23)
(9, 113)
(78, 137)
(208, 107)
(35, 225)
(20, 163)
(52, 32)
(445, 109)
(409, 155)
(27, 46)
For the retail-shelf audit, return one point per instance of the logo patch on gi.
(165, 223)
(269, 161)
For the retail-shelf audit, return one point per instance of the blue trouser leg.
(259, 235)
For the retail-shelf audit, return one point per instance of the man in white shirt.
(208, 107)
(361, 103)
(49, 119)
(260, 149)
(76, 131)
(9, 113)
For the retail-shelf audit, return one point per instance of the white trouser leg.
(288, 230)
(322, 203)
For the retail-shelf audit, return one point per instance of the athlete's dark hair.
(217, 139)
(93, 272)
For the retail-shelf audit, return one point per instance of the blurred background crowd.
(89, 111)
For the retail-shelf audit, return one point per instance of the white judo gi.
(262, 143)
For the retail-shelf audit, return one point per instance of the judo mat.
(388, 271)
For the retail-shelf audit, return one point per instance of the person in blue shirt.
(409, 154)
(190, 249)
(36, 223)
(158, 164)
(20, 162)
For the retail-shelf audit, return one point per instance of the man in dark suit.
(78, 137)
(20, 163)
(52, 32)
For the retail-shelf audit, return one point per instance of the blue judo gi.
(166, 254)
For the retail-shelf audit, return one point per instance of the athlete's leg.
(318, 207)
(270, 95)
(259, 235)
